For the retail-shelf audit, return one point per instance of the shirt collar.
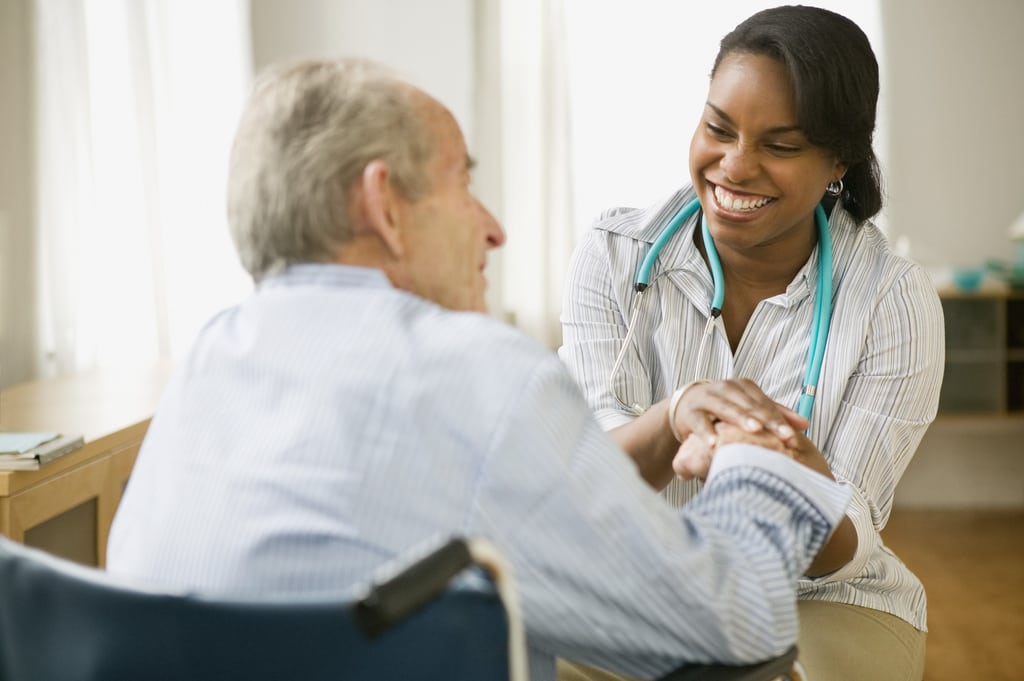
(647, 224)
(679, 254)
(327, 274)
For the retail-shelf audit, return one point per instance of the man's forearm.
(798, 479)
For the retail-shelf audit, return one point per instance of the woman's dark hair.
(835, 81)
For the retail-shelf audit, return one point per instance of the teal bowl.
(968, 279)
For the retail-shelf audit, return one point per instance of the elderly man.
(358, 405)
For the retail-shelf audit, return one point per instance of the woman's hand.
(806, 453)
(653, 439)
(739, 402)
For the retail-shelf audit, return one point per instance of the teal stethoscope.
(822, 299)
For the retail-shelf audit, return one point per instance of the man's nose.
(492, 228)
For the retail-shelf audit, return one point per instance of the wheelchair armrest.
(389, 602)
(762, 671)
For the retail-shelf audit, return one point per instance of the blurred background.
(116, 118)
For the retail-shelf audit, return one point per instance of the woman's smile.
(738, 202)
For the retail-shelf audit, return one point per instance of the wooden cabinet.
(67, 506)
(984, 354)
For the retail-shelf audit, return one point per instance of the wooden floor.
(972, 567)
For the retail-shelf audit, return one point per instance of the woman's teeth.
(730, 202)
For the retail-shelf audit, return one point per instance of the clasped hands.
(711, 414)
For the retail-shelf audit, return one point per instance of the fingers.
(807, 454)
(728, 433)
(799, 447)
(760, 411)
(693, 460)
(702, 426)
(795, 420)
(739, 402)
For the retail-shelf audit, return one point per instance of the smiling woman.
(772, 309)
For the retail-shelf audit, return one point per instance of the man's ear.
(382, 205)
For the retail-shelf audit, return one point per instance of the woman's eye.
(783, 148)
(717, 132)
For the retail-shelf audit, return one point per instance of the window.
(137, 102)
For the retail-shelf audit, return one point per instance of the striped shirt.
(880, 379)
(331, 424)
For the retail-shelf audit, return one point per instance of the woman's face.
(756, 175)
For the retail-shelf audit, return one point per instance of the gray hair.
(308, 132)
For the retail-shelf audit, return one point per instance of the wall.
(967, 463)
(431, 43)
(17, 249)
(955, 104)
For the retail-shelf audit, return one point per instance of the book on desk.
(30, 451)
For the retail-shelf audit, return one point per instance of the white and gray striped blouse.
(879, 384)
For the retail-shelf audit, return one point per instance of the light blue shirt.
(331, 424)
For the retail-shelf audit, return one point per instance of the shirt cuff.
(859, 514)
(830, 498)
(609, 419)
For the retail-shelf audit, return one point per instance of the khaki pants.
(838, 642)
(841, 642)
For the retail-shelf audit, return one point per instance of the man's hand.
(694, 456)
(693, 460)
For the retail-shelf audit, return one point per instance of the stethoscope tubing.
(822, 299)
(822, 316)
(643, 275)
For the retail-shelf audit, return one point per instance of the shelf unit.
(984, 354)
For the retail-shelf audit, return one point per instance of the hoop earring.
(834, 188)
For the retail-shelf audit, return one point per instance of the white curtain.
(523, 119)
(136, 104)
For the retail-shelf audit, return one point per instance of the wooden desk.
(67, 506)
